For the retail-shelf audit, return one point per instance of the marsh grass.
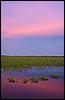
(25, 80)
(12, 79)
(44, 78)
(34, 79)
(55, 76)
(19, 62)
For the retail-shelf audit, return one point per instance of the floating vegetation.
(11, 79)
(44, 78)
(34, 79)
(55, 76)
(25, 80)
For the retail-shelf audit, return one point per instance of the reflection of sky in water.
(51, 89)
(35, 71)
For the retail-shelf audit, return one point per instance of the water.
(50, 89)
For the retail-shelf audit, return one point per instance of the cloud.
(42, 29)
(20, 19)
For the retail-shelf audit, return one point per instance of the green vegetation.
(11, 79)
(55, 76)
(34, 79)
(20, 62)
(25, 80)
(44, 78)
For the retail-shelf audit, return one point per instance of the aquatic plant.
(11, 79)
(44, 78)
(25, 80)
(55, 76)
(34, 79)
(20, 62)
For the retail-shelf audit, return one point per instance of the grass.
(44, 78)
(20, 62)
(12, 79)
(25, 80)
(55, 76)
(34, 79)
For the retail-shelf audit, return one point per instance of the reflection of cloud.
(46, 89)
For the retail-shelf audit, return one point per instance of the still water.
(50, 89)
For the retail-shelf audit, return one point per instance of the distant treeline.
(31, 56)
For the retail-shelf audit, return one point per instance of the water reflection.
(35, 71)
(51, 89)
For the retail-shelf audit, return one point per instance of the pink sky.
(44, 18)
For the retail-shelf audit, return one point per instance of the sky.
(32, 28)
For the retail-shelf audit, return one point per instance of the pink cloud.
(47, 29)
(32, 18)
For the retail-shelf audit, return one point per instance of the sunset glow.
(31, 19)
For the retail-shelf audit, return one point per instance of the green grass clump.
(11, 79)
(34, 79)
(55, 76)
(25, 80)
(44, 78)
